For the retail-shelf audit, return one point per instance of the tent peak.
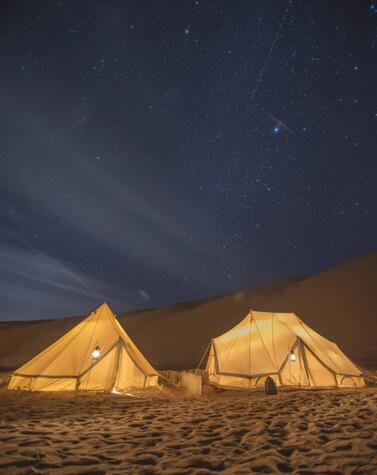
(104, 310)
(275, 314)
(104, 305)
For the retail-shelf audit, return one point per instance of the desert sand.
(302, 432)
(339, 303)
(166, 432)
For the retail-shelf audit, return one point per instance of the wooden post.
(77, 386)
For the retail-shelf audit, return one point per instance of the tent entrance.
(129, 373)
(102, 372)
(116, 369)
(293, 371)
(300, 368)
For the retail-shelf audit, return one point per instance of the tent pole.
(117, 362)
(304, 360)
(250, 352)
(77, 386)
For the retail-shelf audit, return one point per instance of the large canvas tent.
(96, 355)
(283, 347)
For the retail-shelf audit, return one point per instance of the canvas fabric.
(68, 364)
(261, 345)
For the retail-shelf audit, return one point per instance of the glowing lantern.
(96, 352)
(292, 356)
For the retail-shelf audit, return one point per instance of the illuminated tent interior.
(96, 355)
(283, 347)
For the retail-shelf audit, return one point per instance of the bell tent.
(283, 347)
(96, 355)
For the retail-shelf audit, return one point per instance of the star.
(227, 121)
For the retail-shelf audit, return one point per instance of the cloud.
(39, 280)
(143, 294)
(75, 230)
(146, 225)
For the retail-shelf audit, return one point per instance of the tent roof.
(268, 330)
(71, 354)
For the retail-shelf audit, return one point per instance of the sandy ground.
(329, 432)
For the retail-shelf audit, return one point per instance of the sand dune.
(340, 303)
(332, 432)
(166, 432)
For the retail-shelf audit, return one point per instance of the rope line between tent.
(201, 361)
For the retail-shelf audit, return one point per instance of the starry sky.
(161, 151)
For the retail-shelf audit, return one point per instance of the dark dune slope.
(340, 303)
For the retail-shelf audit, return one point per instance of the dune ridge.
(340, 303)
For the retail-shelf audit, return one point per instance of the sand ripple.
(324, 432)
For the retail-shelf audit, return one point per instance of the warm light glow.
(96, 353)
(292, 356)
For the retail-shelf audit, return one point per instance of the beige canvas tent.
(281, 346)
(96, 355)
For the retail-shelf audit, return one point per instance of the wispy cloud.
(68, 188)
(86, 195)
(26, 275)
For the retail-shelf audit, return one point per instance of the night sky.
(161, 151)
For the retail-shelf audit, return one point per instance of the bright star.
(186, 31)
(276, 130)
